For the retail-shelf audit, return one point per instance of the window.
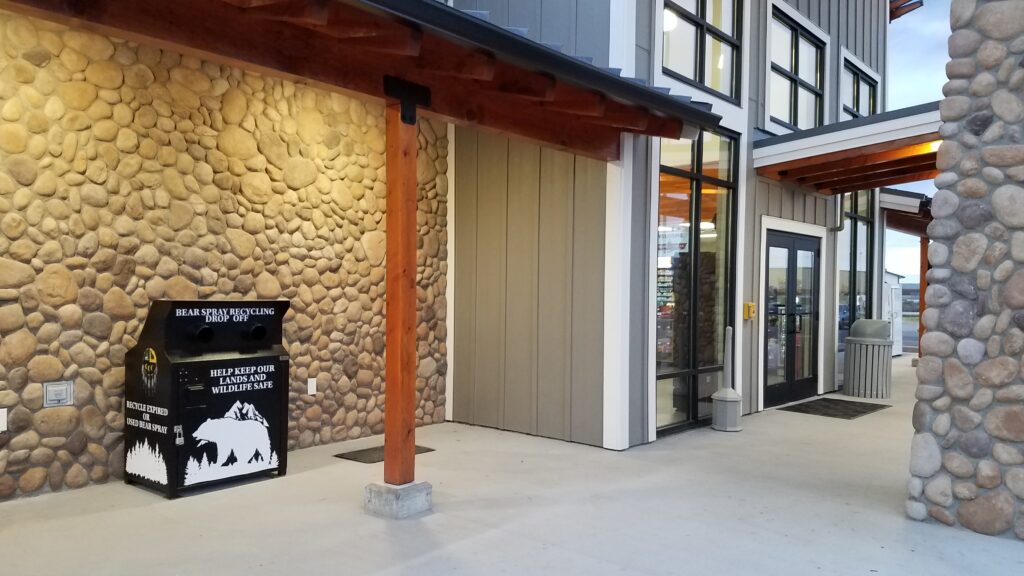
(860, 93)
(701, 44)
(854, 255)
(797, 80)
(694, 268)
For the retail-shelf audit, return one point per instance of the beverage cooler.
(206, 395)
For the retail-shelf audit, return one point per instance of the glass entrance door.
(791, 327)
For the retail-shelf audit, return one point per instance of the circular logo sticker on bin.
(149, 371)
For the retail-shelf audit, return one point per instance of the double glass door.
(791, 326)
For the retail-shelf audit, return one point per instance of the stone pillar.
(967, 454)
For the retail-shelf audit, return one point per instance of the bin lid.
(864, 328)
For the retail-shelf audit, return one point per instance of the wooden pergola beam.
(851, 157)
(876, 172)
(890, 181)
(869, 168)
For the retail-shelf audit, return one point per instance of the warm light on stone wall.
(130, 173)
(967, 455)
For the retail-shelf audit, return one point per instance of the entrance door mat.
(373, 455)
(834, 408)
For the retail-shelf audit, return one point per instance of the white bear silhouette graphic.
(247, 439)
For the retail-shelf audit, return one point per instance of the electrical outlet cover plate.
(3, 419)
(58, 393)
(311, 386)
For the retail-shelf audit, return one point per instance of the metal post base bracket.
(397, 502)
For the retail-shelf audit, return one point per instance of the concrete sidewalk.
(791, 494)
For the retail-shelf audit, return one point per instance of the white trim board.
(449, 387)
(856, 137)
(793, 227)
(618, 212)
(617, 248)
(847, 56)
(652, 290)
(734, 115)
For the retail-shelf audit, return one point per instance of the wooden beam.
(253, 3)
(664, 127)
(901, 179)
(302, 12)
(816, 168)
(869, 154)
(577, 101)
(876, 172)
(363, 31)
(219, 32)
(897, 9)
(400, 300)
(922, 160)
(513, 81)
(449, 59)
(621, 116)
(912, 224)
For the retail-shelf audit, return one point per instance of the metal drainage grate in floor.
(373, 455)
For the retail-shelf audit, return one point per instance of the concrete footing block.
(390, 501)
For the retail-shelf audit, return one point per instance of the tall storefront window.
(854, 249)
(695, 214)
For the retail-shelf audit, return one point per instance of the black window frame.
(696, 177)
(796, 82)
(704, 28)
(859, 78)
(854, 216)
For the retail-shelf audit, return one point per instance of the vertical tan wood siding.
(529, 321)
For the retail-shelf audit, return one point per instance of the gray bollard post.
(727, 404)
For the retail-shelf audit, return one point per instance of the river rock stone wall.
(130, 173)
(967, 454)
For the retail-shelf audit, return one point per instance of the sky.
(917, 70)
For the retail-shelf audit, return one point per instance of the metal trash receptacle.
(867, 372)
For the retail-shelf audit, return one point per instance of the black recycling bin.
(206, 395)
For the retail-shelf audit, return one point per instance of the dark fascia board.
(906, 194)
(838, 126)
(511, 47)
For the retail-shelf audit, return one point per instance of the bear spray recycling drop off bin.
(206, 395)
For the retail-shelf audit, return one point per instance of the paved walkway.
(791, 494)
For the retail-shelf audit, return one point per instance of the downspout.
(837, 213)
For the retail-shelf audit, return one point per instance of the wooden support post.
(400, 365)
(400, 274)
(922, 287)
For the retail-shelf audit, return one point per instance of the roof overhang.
(904, 211)
(477, 73)
(899, 8)
(881, 150)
